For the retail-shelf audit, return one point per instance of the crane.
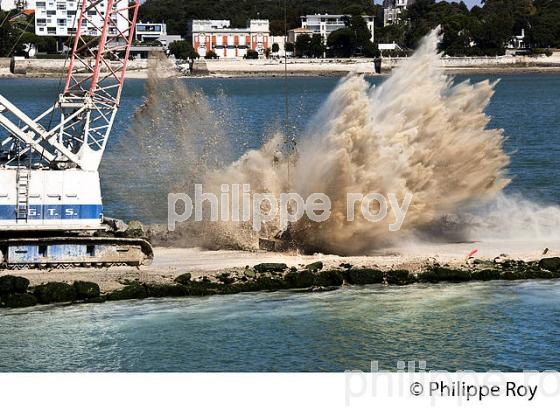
(51, 211)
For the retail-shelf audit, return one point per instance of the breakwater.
(15, 291)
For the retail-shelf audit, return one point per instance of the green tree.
(211, 55)
(275, 48)
(251, 55)
(176, 13)
(392, 33)
(303, 45)
(544, 29)
(183, 50)
(341, 43)
(316, 47)
(44, 44)
(8, 38)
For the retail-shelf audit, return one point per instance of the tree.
(44, 44)
(183, 50)
(310, 46)
(175, 13)
(544, 30)
(364, 46)
(355, 39)
(211, 55)
(458, 34)
(316, 47)
(251, 55)
(303, 45)
(8, 38)
(392, 33)
(275, 48)
(341, 43)
(289, 47)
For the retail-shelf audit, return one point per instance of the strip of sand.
(172, 262)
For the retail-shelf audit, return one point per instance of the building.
(17, 4)
(227, 42)
(154, 33)
(392, 10)
(325, 24)
(296, 32)
(59, 18)
(517, 42)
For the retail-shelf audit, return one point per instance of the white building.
(517, 42)
(17, 4)
(59, 18)
(392, 10)
(325, 24)
(154, 32)
(227, 42)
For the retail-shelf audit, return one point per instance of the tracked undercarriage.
(64, 252)
(51, 210)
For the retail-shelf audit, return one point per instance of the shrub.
(183, 50)
(211, 55)
(251, 55)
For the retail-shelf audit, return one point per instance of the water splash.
(416, 133)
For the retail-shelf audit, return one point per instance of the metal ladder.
(22, 211)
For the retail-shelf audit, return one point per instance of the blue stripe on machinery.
(54, 212)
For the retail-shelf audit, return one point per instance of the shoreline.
(44, 68)
(194, 272)
(142, 75)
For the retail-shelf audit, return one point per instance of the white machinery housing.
(51, 210)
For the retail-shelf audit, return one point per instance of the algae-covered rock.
(301, 279)
(204, 288)
(399, 277)
(13, 284)
(513, 275)
(542, 274)
(550, 264)
(55, 292)
(86, 290)
(363, 276)
(250, 273)
(268, 283)
(315, 266)
(486, 274)
(183, 279)
(99, 299)
(129, 292)
(19, 300)
(441, 274)
(329, 278)
(270, 267)
(155, 290)
(225, 278)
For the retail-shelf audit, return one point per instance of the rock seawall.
(16, 293)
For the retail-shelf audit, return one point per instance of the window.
(43, 251)
(51, 30)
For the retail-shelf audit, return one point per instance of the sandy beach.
(41, 68)
(172, 262)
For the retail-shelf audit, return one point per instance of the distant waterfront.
(309, 67)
